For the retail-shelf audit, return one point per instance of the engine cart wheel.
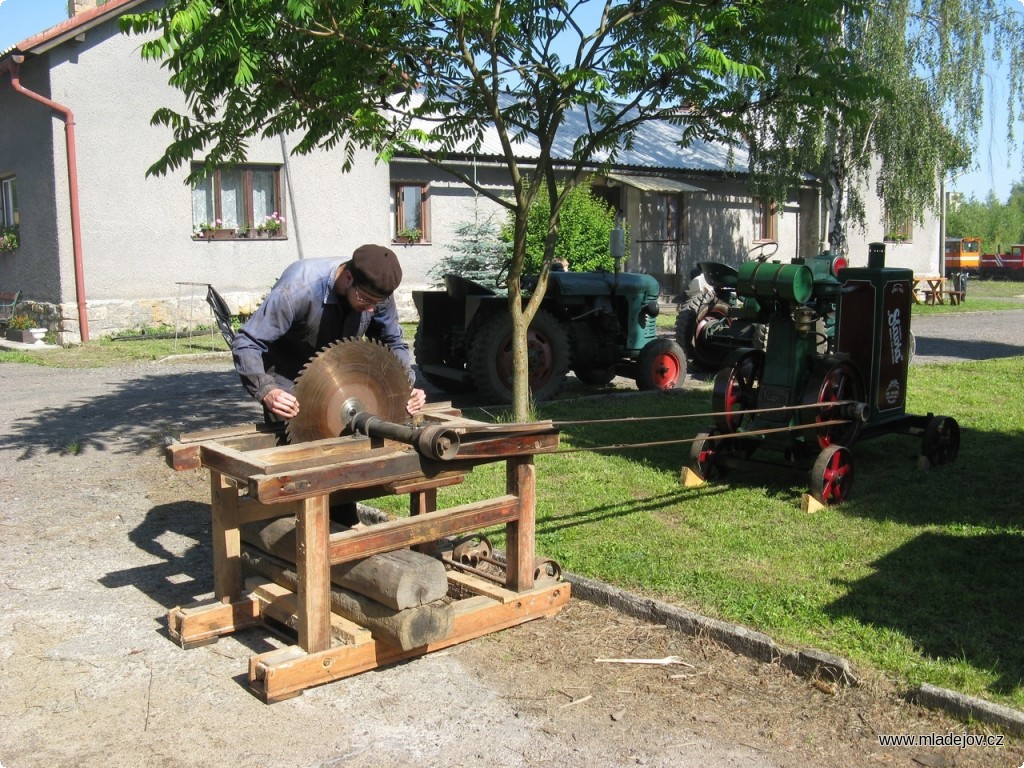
(832, 475)
(706, 454)
(595, 377)
(490, 360)
(661, 365)
(735, 389)
(832, 384)
(941, 440)
(695, 318)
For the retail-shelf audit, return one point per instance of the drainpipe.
(72, 159)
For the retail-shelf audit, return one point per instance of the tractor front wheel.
(490, 360)
(661, 365)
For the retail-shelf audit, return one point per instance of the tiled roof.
(655, 145)
(55, 35)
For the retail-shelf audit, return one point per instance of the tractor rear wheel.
(430, 350)
(661, 365)
(692, 324)
(490, 359)
(595, 377)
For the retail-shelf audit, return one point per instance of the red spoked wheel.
(706, 454)
(832, 475)
(661, 365)
(834, 384)
(736, 388)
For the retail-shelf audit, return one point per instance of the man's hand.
(417, 400)
(283, 404)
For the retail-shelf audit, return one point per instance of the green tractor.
(599, 325)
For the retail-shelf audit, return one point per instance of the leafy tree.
(584, 233)
(931, 58)
(429, 79)
(999, 225)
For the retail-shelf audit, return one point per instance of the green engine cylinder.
(774, 280)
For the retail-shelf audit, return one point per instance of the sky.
(996, 167)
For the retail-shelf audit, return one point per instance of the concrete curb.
(969, 708)
(807, 662)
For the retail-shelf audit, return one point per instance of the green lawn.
(919, 574)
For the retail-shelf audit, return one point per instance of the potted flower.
(9, 240)
(204, 230)
(19, 328)
(271, 226)
(408, 235)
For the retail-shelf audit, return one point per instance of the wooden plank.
(420, 486)
(482, 586)
(282, 606)
(312, 527)
(184, 453)
(279, 675)
(223, 433)
(229, 461)
(521, 481)
(408, 532)
(504, 447)
(227, 568)
(199, 623)
(374, 471)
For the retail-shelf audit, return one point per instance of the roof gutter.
(12, 66)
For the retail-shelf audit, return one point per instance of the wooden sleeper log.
(405, 629)
(400, 579)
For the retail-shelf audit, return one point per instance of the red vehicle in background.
(964, 256)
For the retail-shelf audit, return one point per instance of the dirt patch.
(100, 539)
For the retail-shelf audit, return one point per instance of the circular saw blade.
(349, 370)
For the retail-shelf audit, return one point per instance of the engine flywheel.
(346, 376)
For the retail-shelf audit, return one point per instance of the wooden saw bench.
(253, 478)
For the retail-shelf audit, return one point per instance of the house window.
(411, 222)
(765, 216)
(671, 222)
(8, 203)
(898, 231)
(237, 200)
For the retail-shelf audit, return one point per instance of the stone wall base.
(184, 314)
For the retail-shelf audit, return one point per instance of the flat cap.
(376, 268)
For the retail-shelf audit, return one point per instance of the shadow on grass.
(955, 597)
(134, 415)
(964, 349)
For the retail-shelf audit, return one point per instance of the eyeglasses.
(366, 299)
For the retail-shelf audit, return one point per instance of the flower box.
(31, 336)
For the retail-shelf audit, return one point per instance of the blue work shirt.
(300, 316)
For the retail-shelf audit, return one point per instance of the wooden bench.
(8, 301)
(941, 296)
